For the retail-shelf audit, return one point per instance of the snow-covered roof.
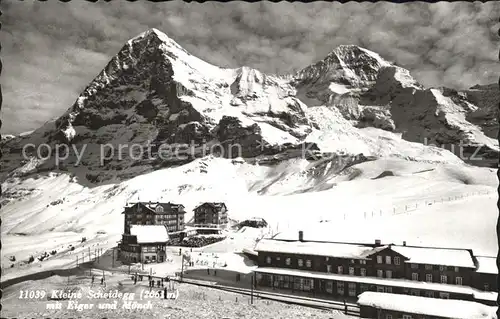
(436, 256)
(487, 265)
(486, 295)
(445, 308)
(149, 233)
(215, 205)
(403, 283)
(152, 206)
(313, 248)
(420, 255)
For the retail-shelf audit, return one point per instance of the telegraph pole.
(182, 267)
(251, 289)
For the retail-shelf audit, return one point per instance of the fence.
(410, 207)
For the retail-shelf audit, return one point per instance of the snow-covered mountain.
(323, 136)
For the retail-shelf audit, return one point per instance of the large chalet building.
(344, 270)
(146, 230)
(144, 244)
(147, 213)
(210, 214)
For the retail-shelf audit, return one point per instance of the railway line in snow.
(322, 304)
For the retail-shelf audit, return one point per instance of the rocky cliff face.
(153, 93)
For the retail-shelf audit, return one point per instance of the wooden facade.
(168, 214)
(393, 271)
(131, 251)
(347, 289)
(210, 214)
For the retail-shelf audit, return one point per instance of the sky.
(52, 50)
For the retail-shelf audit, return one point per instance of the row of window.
(397, 261)
(443, 278)
(380, 273)
(339, 287)
(388, 259)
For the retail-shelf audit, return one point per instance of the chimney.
(301, 235)
(404, 243)
(378, 242)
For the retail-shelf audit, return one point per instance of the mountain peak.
(349, 65)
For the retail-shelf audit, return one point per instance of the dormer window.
(159, 209)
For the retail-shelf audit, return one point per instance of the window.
(388, 260)
(428, 277)
(407, 317)
(379, 259)
(278, 258)
(442, 268)
(444, 279)
(388, 316)
(362, 271)
(428, 267)
(288, 261)
(329, 286)
(352, 289)
(351, 271)
(340, 288)
(415, 292)
(457, 269)
(268, 259)
(300, 262)
(458, 281)
(388, 274)
(286, 281)
(388, 290)
(429, 294)
(486, 287)
(414, 266)
(362, 262)
(340, 269)
(328, 268)
(380, 273)
(397, 261)
(444, 295)
(414, 276)
(308, 263)
(380, 289)
(327, 258)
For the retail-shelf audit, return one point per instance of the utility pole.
(251, 289)
(182, 267)
(113, 260)
(89, 253)
(76, 261)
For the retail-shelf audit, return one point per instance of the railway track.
(321, 304)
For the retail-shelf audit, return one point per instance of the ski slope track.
(350, 134)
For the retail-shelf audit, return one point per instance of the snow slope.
(336, 205)
(366, 117)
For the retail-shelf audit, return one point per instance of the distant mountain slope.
(153, 92)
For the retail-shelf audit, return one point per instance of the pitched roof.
(445, 308)
(215, 205)
(436, 256)
(313, 248)
(149, 233)
(487, 265)
(175, 208)
(419, 255)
